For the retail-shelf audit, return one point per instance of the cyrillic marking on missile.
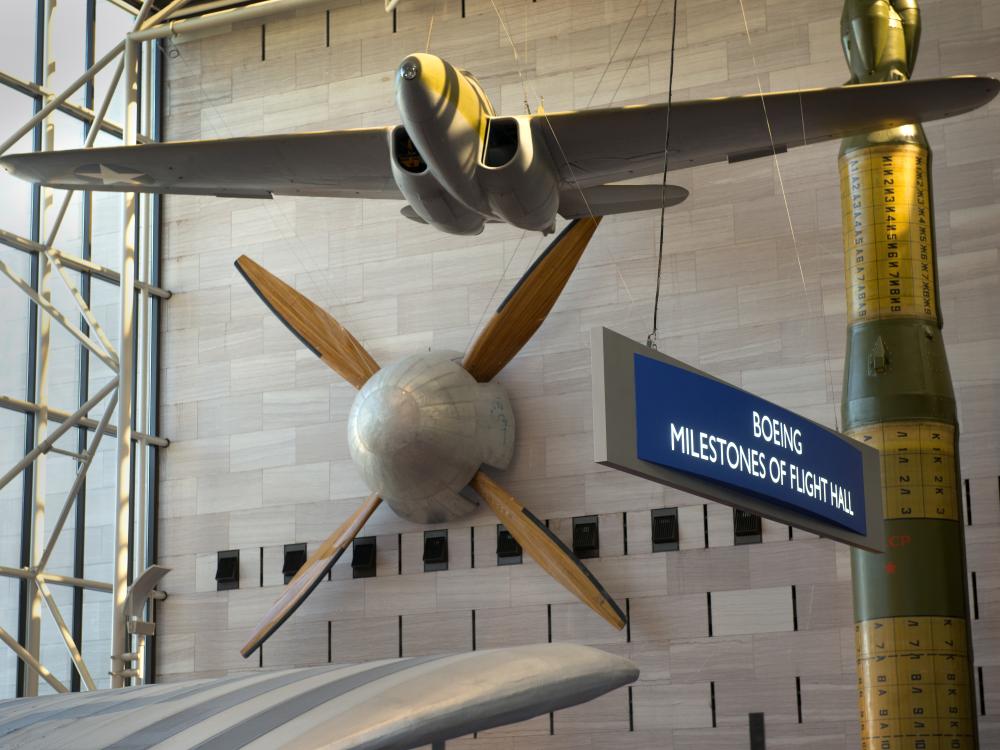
(918, 671)
(886, 223)
(918, 468)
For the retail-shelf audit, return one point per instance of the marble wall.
(258, 425)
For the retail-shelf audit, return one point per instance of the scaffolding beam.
(123, 518)
(76, 263)
(41, 299)
(67, 636)
(38, 668)
(61, 430)
(81, 475)
(60, 415)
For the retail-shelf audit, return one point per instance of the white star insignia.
(110, 176)
(72, 179)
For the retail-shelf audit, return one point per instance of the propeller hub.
(388, 420)
(419, 430)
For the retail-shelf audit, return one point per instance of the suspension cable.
(651, 339)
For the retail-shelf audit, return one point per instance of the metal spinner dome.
(420, 428)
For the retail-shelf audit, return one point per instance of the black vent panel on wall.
(435, 550)
(666, 531)
(363, 557)
(295, 558)
(746, 527)
(227, 570)
(757, 736)
(509, 552)
(586, 539)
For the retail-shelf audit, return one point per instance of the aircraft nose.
(418, 87)
(409, 69)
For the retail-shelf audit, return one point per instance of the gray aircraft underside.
(394, 704)
(459, 165)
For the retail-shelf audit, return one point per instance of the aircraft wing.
(338, 163)
(394, 704)
(593, 147)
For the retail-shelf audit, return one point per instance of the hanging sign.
(661, 419)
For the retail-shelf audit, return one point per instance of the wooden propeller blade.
(310, 574)
(547, 550)
(311, 324)
(531, 299)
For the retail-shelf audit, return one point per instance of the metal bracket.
(878, 358)
(141, 589)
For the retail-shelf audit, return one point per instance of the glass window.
(68, 42)
(12, 425)
(17, 37)
(64, 349)
(99, 539)
(15, 194)
(15, 310)
(104, 301)
(9, 592)
(113, 24)
(97, 634)
(53, 653)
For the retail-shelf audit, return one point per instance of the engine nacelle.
(428, 199)
(517, 175)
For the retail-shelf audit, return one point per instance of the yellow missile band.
(918, 468)
(886, 219)
(913, 684)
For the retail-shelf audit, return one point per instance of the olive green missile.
(911, 604)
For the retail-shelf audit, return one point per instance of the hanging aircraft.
(459, 164)
(394, 704)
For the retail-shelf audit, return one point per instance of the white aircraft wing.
(395, 704)
(593, 147)
(339, 163)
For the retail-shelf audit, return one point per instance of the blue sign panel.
(692, 423)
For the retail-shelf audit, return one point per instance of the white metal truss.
(116, 393)
(128, 603)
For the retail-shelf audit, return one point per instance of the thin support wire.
(573, 178)
(774, 151)
(651, 339)
(635, 54)
(614, 52)
(517, 58)
(279, 221)
(503, 276)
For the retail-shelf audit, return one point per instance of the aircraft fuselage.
(460, 165)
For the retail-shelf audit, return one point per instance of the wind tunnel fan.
(421, 429)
